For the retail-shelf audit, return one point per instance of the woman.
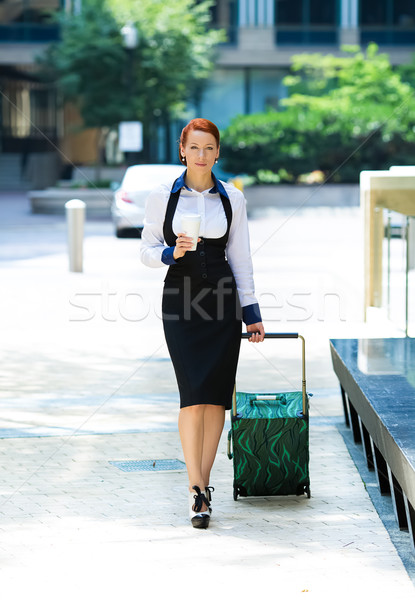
(206, 295)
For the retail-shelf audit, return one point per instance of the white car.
(129, 199)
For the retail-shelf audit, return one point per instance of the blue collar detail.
(180, 183)
(217, 188)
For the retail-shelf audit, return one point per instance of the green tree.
(152, 84)
(343, 115)
(88, 65)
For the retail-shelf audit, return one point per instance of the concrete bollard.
(75, 218)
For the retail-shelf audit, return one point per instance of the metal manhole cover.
(149, 465)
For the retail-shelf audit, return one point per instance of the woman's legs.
(191, 429)
(200, 428)
(214, 420)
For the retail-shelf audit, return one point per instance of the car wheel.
(133, 232)
(129, 232)
(120, 233)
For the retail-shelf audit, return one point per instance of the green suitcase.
(269, 436)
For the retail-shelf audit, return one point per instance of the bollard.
(75, 218)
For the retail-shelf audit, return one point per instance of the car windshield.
(146, 178)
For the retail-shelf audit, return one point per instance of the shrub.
(344, 115)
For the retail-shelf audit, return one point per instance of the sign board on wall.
(130, 136)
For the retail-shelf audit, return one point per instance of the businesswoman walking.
(207, 293)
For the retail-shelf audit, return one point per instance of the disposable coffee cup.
(190, 227)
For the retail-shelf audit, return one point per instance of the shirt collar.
(217, 187)
(179, 183)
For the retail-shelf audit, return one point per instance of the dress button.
(201, 242)
(202, 253)
(203, 265)
(204, 275)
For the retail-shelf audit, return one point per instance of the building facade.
(36, 138)
(262, 36)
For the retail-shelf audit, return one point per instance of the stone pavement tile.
(102, 531)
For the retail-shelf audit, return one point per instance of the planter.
(299, 195)
(52, 200)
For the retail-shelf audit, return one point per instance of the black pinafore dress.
(202, 317)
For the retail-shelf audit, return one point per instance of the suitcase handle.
(264, 397)
(246, 336)
(230, 453)
(281, 336)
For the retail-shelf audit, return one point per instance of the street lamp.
(130, 39)
(130, 36)
(130, 42)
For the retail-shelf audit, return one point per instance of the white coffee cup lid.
(191, 216)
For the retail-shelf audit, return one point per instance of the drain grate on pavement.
(149, 465)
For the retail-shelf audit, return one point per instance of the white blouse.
(213, 225)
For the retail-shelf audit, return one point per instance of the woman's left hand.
(257, 330)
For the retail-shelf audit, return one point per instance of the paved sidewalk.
(76, 394)
(81, 526)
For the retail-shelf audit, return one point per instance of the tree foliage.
(88, 64)
(176, 51)
(110, 84)
(343, 115)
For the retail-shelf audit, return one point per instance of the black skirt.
(202, 325)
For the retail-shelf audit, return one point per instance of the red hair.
(198, 125)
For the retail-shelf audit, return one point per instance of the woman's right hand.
(183, 244)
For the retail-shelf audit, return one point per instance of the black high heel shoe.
(200, 519)
(208, 493)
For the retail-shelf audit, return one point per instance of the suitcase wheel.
(303, 489)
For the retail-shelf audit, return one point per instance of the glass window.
(306, 21)
(404, 13)
(373, 12)
(296, 12)
(224, 96)
(322, 12)
(266, 89)
(388, 22)
(290, 12)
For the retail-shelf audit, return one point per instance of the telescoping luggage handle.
(281, 336)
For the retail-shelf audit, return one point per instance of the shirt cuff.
(167, 256)
(251, 314)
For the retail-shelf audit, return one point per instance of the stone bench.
(377, 379)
